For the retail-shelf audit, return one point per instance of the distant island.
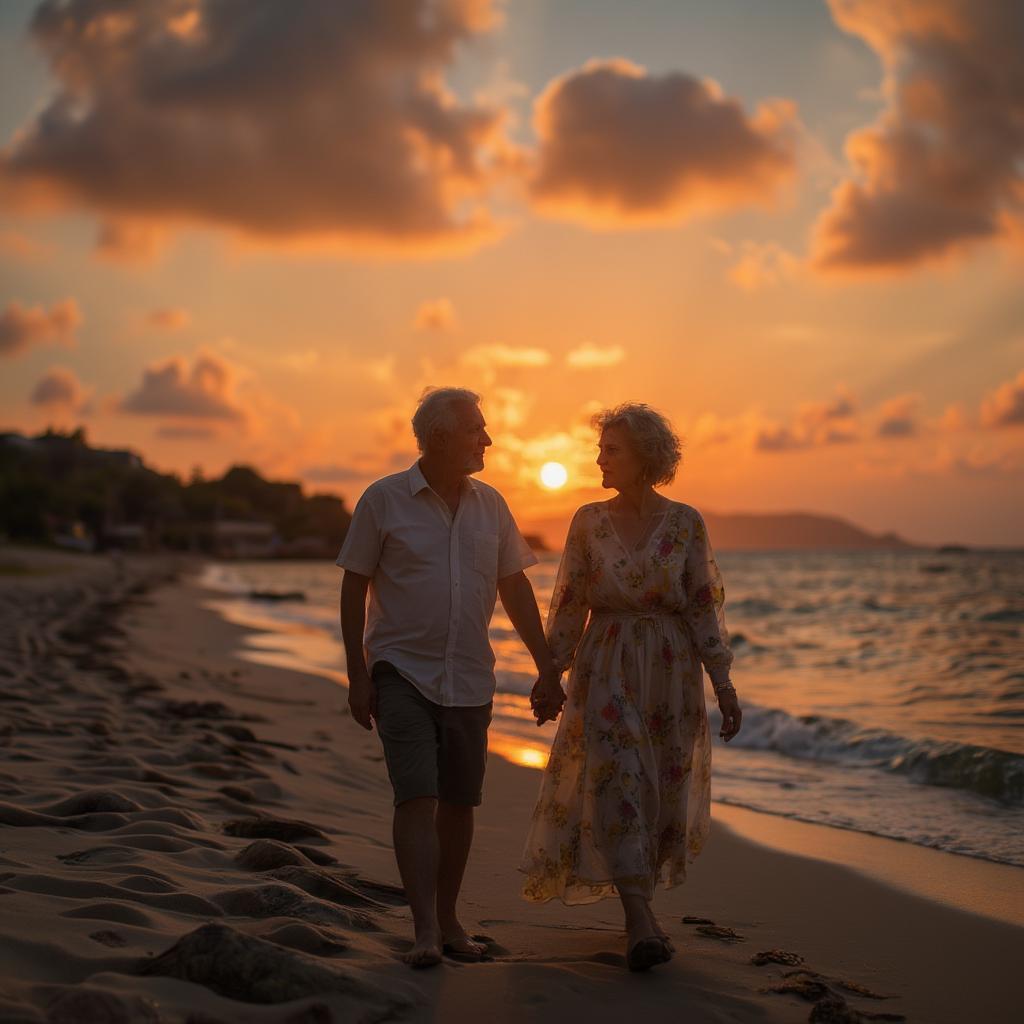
(769, 531)
(743, 531)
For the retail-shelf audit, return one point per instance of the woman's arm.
(705, 611)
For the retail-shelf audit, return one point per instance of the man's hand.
(547, 697)
(362, 699)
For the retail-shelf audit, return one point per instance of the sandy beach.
(187, 836)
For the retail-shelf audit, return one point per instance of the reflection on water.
(883, 692)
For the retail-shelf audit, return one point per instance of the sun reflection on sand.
(518, 752)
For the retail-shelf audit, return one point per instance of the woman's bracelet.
(725, 687)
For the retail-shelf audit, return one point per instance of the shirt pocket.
(485, 553)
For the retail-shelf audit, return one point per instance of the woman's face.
(616, 459)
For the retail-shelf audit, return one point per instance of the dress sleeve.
(705, 605)
(569, 600)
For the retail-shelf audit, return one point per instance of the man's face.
(469, 440)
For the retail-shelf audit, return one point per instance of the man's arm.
(520, 605)
(362, 698)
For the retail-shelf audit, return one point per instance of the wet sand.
(188, 836)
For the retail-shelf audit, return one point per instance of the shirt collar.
(418, 482)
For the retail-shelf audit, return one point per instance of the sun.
(553, 475)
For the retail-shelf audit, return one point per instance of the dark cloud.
(942, 166)
(206, 390)
(620, 145)
(22, 327)
(898, 417)
(176, 432)
(778, 439)
(284, 120)
(129, 242)
(59, 387)
(833, 421)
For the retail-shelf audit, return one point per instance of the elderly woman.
(625, 798)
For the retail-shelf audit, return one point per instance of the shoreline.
(168, 736)
(960, 881)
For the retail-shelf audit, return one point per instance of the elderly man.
(434, 547)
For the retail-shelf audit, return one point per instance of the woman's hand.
(547, 698)
(732, 716)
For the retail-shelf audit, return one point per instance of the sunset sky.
(253, 231)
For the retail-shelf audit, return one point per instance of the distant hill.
(756, 531)
(744, 531)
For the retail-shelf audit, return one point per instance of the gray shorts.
(431, 751)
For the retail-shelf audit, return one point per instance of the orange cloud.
(436, 315)
(206, 390)
(489, 357)
(22, 327)
(280, 121)
(169, 318)
(129, 242)
(590, 357)
(23, 247)
(941, 167)
(763, 264)
(1004, 407)
(619, 146)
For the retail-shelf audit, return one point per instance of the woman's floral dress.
(625, 798)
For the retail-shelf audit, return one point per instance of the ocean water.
(882, 691)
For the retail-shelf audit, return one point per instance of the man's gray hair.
(655, 443)
(436, 412)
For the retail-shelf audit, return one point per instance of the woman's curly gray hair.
(436, 413)
(655, 443)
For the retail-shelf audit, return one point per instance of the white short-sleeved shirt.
(433, 581)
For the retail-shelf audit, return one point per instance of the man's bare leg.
(416, 850)
(454, 838)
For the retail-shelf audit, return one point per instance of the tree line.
(55, 485)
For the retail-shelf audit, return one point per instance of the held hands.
(732, 716)
(547, 697)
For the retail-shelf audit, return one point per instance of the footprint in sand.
(75, 1005)
(263, 901)
(267, 854)
(254, 970)
(777, 956)
(116, 912)
(273, 828)
(829, 1006)
(307, 938)
(720, 932)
